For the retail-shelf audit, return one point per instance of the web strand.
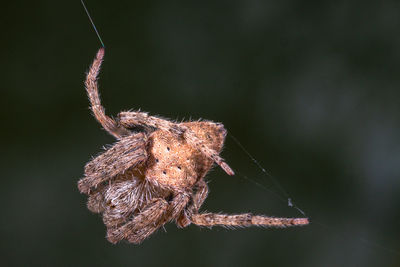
(91, 21)
(275, 182)
(364, 241)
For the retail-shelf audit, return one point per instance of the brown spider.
(155, 173)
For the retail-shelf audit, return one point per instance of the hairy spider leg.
(130, 119)
(200, 196)
(95, 201)
(245, 220)
(142, 225)
(149, 220)
(197, 201)
(110, 125)
(192, 139)
(128, 152)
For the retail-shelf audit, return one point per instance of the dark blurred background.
(310, 89)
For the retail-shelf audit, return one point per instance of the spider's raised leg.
(131, 119)
(108, 123)
(128, 152)
(245, 220)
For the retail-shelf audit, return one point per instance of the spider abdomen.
(172, 161)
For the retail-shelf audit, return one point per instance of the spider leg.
(130, 119)
(244, 220)
(96, 201)
(176, 205)
(174, 209)
(197, 200)
(128, 152)
(149, 220)
(110, 125)
(200, 196)
(192, 139)
(142, 225)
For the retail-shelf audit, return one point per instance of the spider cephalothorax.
(155, 173)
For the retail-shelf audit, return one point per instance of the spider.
(155, 173)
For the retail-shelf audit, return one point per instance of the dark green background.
(311, 89)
